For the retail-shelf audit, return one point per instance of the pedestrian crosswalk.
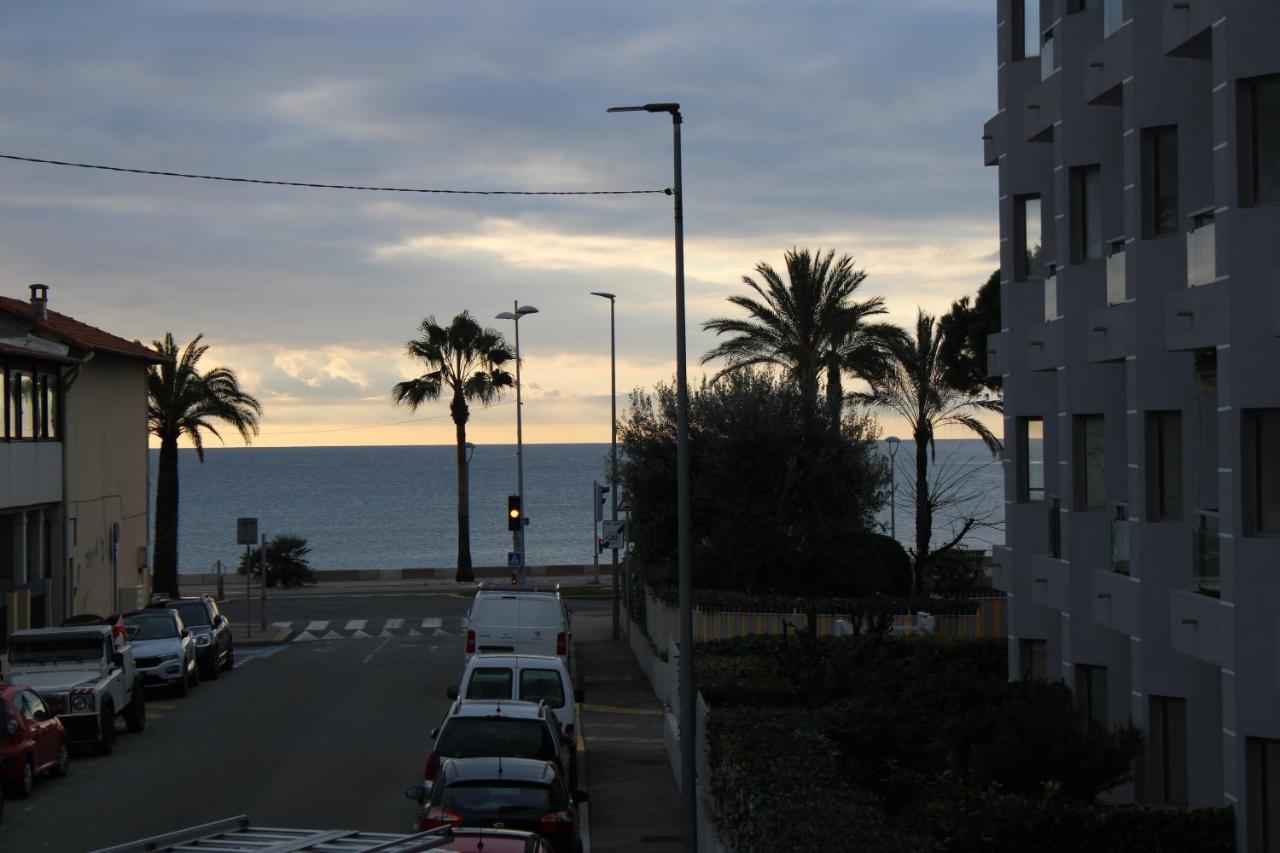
(313, 630)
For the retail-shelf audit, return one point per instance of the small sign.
(614, 533)
(513, 559)
(246, 531)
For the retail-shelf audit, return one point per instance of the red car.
(32, 740)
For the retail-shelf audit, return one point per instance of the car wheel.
(135, 716)
(26, 781)
(231, 659)
(107, 735)
(64, 760)
(211, 671)
(180, 685)
(194, 675)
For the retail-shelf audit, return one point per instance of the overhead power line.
(322, 186)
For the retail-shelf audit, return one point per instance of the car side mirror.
(41, 715)
(452, 693)
(435, 733)
(186, 633)
(117, 659)
(578, 797)
(417, 793)
(579, 695)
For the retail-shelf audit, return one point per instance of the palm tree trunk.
(459, 409)
(165, 562)
(835, 396)
(924, 515)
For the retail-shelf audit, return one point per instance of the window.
(1167, 737)
(1055, 527)
(1091, 462)
(49, 406)
(1206, 403)
(1159, 181)
(1091, 693)
(1029, 251)
(1260, 140)
(1026, 28)
(1120, 540)
(1261, 476)
(539, 684)
(490, 683)
(1083, 6)
(26, 390)
(1164, 466)
(1033, 658)
(1262, 787)
(1086, 214)
(1030, 459)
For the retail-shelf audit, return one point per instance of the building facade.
(1138, 147)
(74, 510)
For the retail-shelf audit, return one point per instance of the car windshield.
(539, 684)
(490, 683)
(495, 737)
(491, 798)
(54, 649)
(158, 627)
(194, 613)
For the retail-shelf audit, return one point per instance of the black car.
(215, 650)
(504, 793)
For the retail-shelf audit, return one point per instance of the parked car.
(504, 793)
(211, 629)
(164, 649)
(85, 675)
(33, 741)
(527, 678)
(519, 620)
(473, 729)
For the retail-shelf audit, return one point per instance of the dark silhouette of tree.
(465, 360)
(964, 338)
(183, 401)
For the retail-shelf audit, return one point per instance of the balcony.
(992, 140)
(1201, 627)
(1002, 567)
(1202, 263)
(1205, 565)
(997, 354)
(1045, 348)
(1117, 289)
(1107, 64)
(1051, 310)
(1112, 17)
(1187, 27)
(1117, 602)
(1043, 108)
(1120, 543)
(1051, 582)
(1194, 316)
(1047, 63)
(1111, 333)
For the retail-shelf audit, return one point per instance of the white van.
(518, 621)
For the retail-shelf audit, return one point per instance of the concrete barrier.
(410, 574)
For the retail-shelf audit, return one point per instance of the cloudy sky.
(846, 125)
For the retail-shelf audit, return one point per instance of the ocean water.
(395, 507)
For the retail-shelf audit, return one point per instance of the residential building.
(1138, 146)
(74, 512)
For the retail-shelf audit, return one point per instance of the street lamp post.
(893, 441)
(517, 536)
(688, 796)
(613, 445)
(470, 451)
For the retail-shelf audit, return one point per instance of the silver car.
(163, 649)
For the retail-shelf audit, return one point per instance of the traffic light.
(601, 491)
(515, 515)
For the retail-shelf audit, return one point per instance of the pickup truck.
(85, 675)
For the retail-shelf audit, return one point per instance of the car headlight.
(82, 702)
(203, 640)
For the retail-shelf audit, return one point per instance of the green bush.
(777, 787)
(1139, 830)
(733, 680)
(287, 563)
(733, 601)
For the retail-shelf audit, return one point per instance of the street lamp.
(893, 441)
(688, 796)
(470, 451)
(517, 538)
(613, 445)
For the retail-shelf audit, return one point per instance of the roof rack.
(518, 587)
(236, 834)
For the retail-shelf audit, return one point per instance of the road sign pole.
(262, 554)
(248, 591)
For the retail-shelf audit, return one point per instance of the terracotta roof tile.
(77, 334)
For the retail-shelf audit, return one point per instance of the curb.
(583, 778)
(275, 638)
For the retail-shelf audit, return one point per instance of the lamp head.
(609, 296)
(505, 315)
(526, 309)
(893, 441)
(674, 109)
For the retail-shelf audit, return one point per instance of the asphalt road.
(323, 732)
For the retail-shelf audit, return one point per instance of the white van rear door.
(539, 626)
(494, 620)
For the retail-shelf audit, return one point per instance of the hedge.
(733, 601)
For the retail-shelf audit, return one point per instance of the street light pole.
(893, 441)
(517, 536)
(613, 446)
(688, 778)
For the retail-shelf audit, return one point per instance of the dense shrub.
(733, 680)
(287, 563)
(1138, 830)
(727, 600)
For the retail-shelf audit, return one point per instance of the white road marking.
(333, 635)
(281, 624)
(393, 624)
(431, 622)
(318, 626)
(380, 647)
(360, 635)
(440, 632)
(305, 637)
(356, 625)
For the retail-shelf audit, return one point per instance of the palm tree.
(915, 387)
(182, 401)
(467, 360)
(808, 326)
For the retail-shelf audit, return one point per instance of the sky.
(852, 126)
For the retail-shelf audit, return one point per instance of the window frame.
(1153, 224)
(1085, 193)
(1254, 451)
(1250, 189)
(1024, 269)
(1019, 31)
(1026, 493)
(1082, 469)
(1158, 477)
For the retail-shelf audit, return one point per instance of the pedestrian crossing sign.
(513, 559)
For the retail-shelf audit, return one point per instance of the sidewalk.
(634, 804)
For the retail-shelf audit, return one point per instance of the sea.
(367, 508)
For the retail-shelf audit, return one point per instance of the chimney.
(40, 300)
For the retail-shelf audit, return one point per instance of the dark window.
(1030, 452)
(1086, 214)
(193, 612)
(1029, 251)
(539, 684)
(1025, 28)
(1083, 6)
(490, 683)
(510, 799)
(1206, 415)
(1261, 475)
(1168, 751)
(1260, 139)
(145, 627)
(1159, 181)
(1033, 657)
(1164, 465)
(1091, 462)
(490, 737)
(1055, 527)
(1262, 786)
(1091, 693)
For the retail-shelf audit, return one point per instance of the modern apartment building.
(73, 466)
(1138, 146)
